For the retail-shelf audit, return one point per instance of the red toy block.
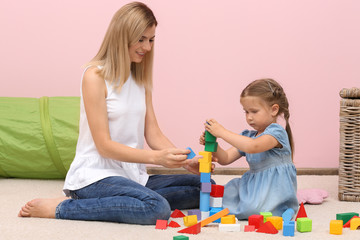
(161, 224)
(177, 214)
(249, 228)
(267, 227)
(347, 225)
(217, 190)
(301, 213)
(194, 229)
(174, 224)
(256, 220)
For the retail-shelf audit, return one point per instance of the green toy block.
(211, 146)
(209, 137)
(304, 225)
(346, 216)
(180, 237)
(266, 214)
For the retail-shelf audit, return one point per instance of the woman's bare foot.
(41, 207)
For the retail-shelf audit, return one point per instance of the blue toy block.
(196, 212)
(214, 211)
(289, 228)
(206, 187)
(204, 202)
(191, 154)
(288, 214)
(205, 177)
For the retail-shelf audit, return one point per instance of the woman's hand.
(193, 165)
(215, 128)
(171, 157)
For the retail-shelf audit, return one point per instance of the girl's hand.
(202, 139)
(215, 128)
(171, 157)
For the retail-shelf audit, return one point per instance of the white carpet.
(16, 192)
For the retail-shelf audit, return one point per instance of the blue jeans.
(118, 199)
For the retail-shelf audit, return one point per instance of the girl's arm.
(94, 94)
(243, 143)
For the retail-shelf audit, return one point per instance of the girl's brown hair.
(271, 92)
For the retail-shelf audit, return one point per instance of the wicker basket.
(349, 167)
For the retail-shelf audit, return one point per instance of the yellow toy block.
(354, 223)
(228, 219)
(205, 167)
(276, 221)
(336, 227)
(207, 157)
(190, 220)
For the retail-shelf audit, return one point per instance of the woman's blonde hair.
(125, 29)
(271, 92)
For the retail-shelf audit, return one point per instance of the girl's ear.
(275, 110)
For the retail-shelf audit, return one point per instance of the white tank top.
(126, 113)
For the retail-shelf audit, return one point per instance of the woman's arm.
(94, 94)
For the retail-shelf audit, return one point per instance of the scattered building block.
(181, 237)
(173, 224)
(229, 227)
(196, 212)
(191, 154)
(209, 137)
(161, 224)
(267, 227)
(213, 211)
(216, 202)
(336, 227)
(288, 214)
(304, 224)
(276, 221)
(207, 157)
(212, 218)
(289, 228)
(301, 213)
(177, 214)
(347, 225)
(211, 146)
(204, 202)
(256, 220)
(195, 229)
(206, 187)
(205, 177)
(228, 219)
(249, 228)
(266, 214)
(217, 190)
(190, 220)
(346, 216)
(354, 223)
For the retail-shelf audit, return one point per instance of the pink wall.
(206, 53)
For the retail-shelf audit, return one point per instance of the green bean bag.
(38, 136)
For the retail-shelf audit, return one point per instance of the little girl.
(270, 184)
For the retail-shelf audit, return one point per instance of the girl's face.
(259, 114)
(144, 45)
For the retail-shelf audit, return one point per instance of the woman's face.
(144, 45)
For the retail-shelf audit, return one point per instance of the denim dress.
(270, 185)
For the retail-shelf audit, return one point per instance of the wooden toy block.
(214, 210)
(217, 190)
(205, 177)
(190, 220)
(211, 146)
(354, 223)
(206, 187)
(346, 216)
(207, 157)
(161, 224)
(228, 219)
(256, 220)
(214, 217)
(177, 214)
(304, 224)
(209, 137)
(267, 227)
(204, 202)
(347, 225)
(195, 229)
(266, 214)
(336, 227)
(288, 214)
(276, 221)
(196, 212)
(205, 167)
(249, 228)
(205, 215)
(289, 228)
(181, 237)
(301, 213)
(173, 224)
(229, 227)
(216, 202)
(191, 154)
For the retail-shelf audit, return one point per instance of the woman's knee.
(158, 209)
